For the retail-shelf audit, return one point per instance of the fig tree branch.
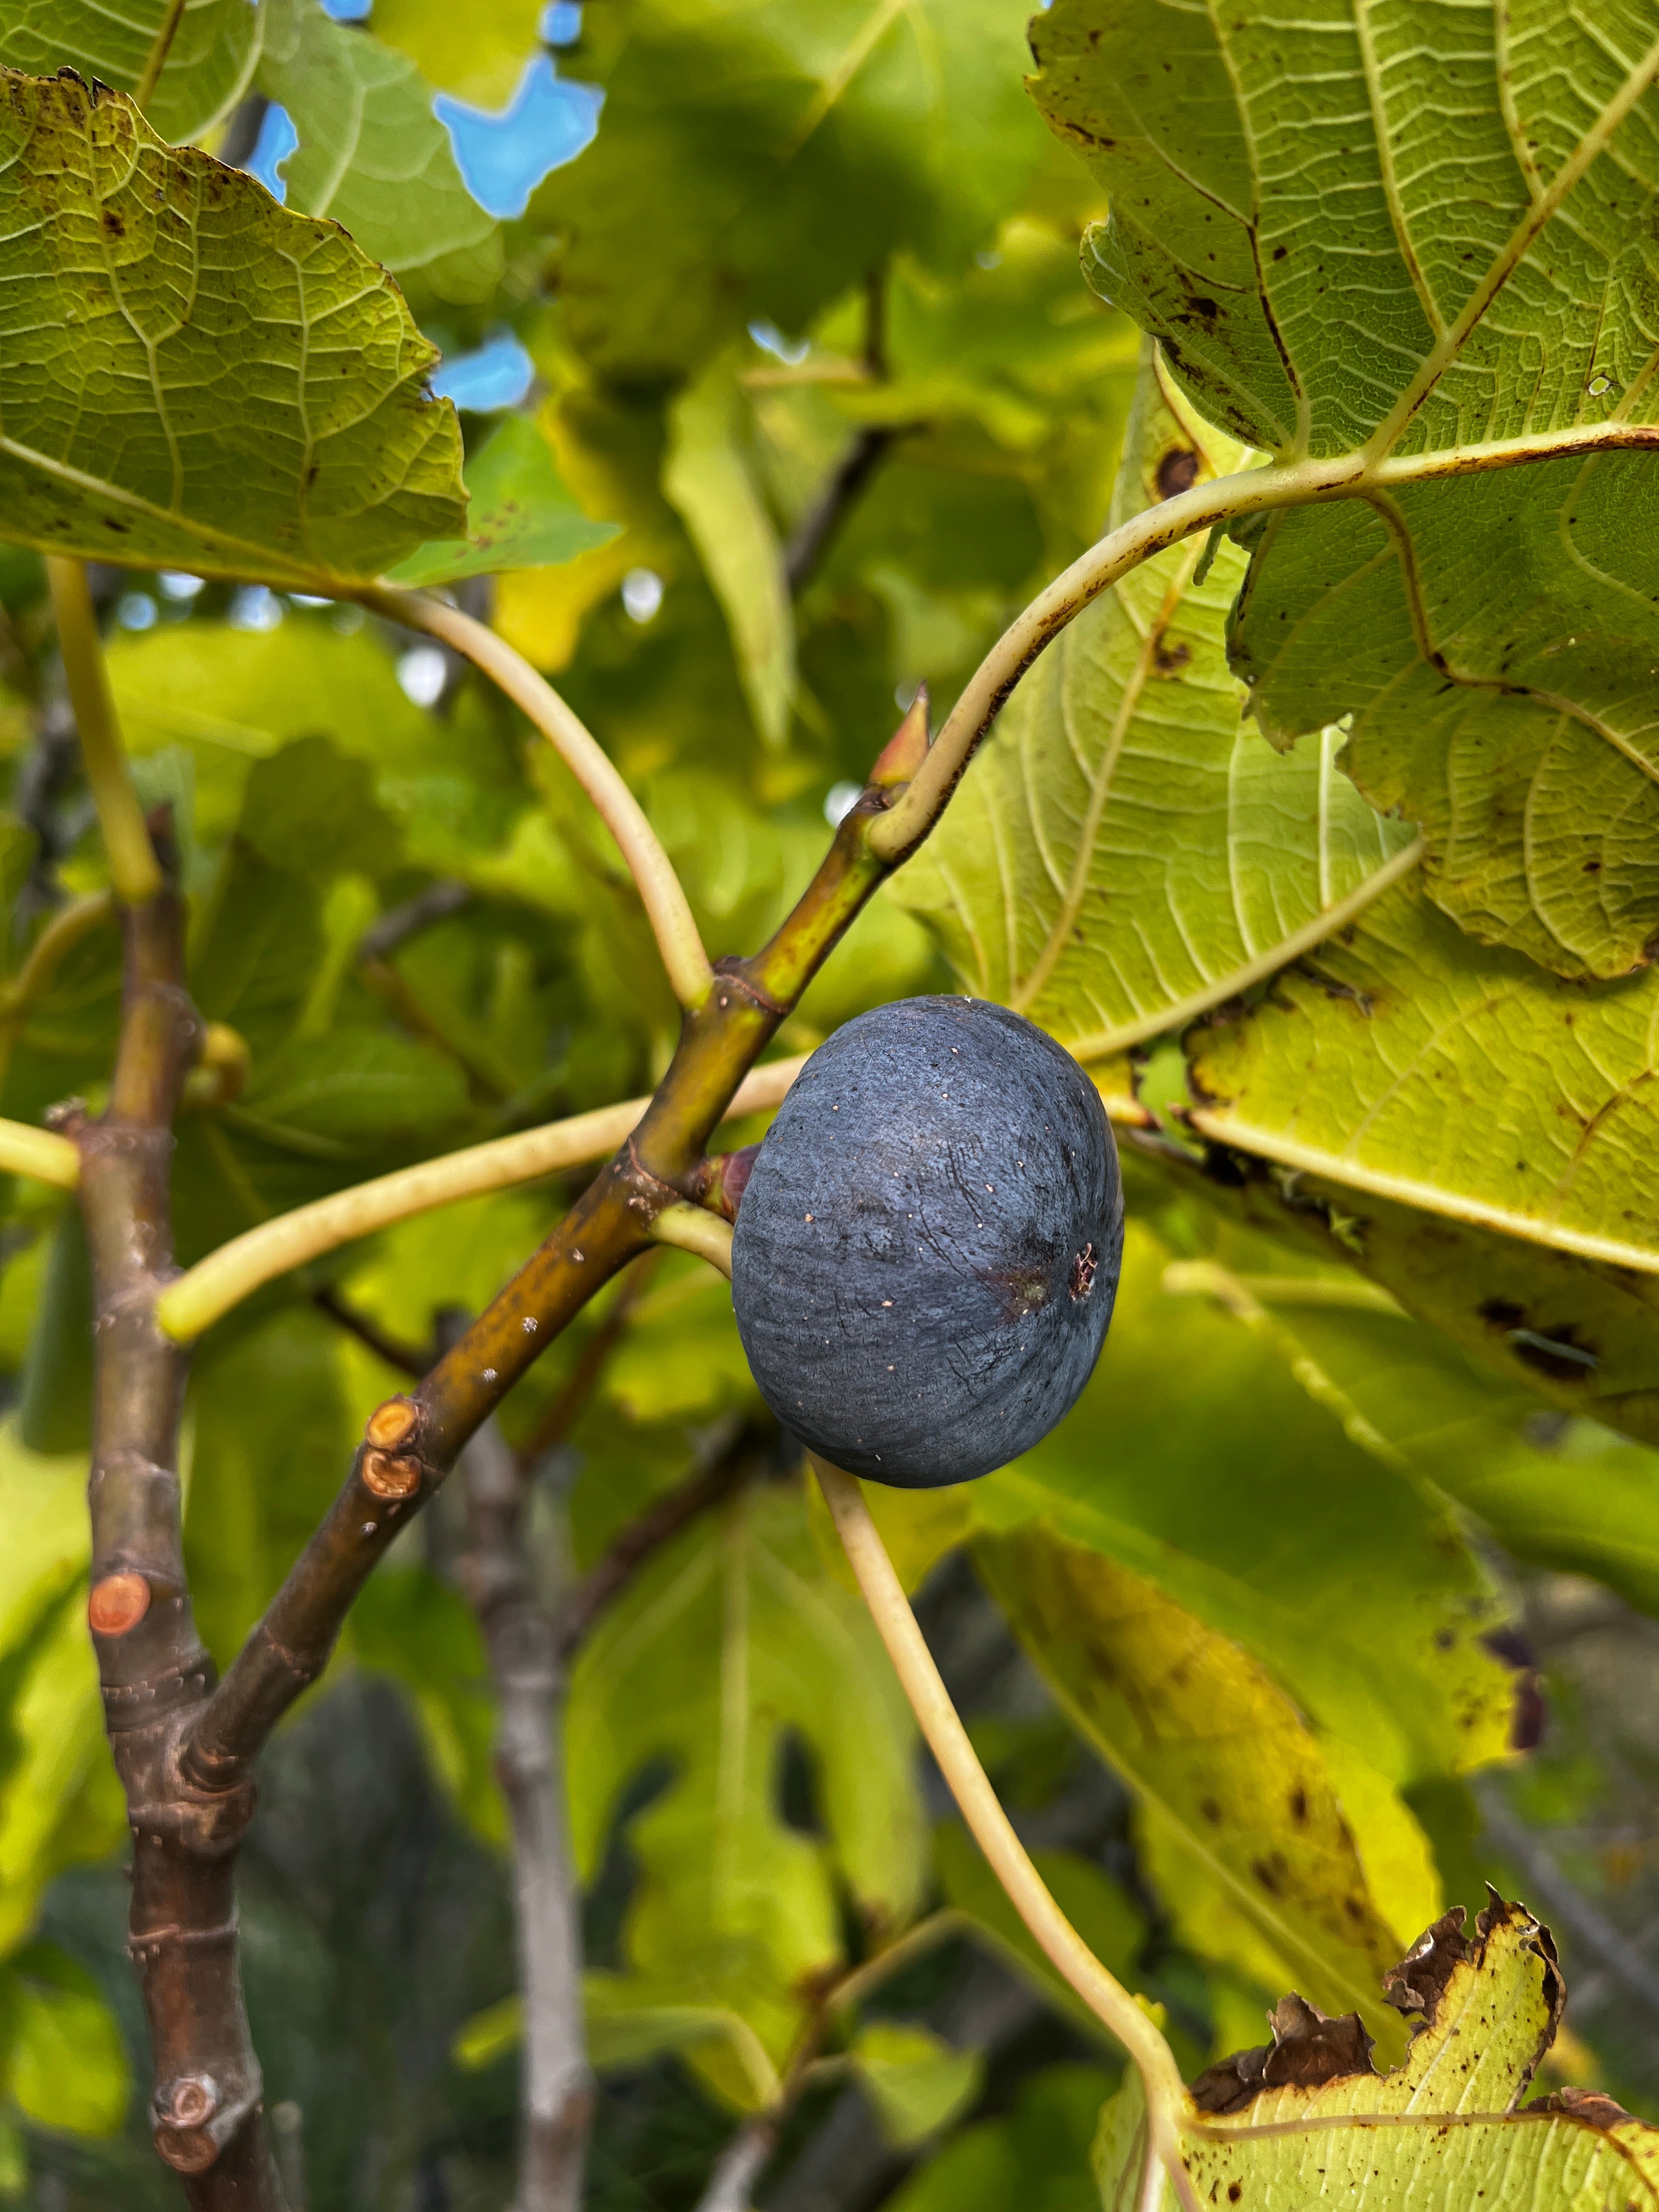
(947, 1739)
(667, 908)
(155, 1675)
(527, 1664)
(411, 1442)
(207, 1291)
(817, 529)
(436, 903)
(132, 863)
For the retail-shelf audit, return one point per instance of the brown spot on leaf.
(1176, 472)
(1169, 658)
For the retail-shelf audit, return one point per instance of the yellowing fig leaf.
(1228, 1768)
(1124, 853)
(1360, 245)
(1415, 1065)
(709, 479)
(198, 60)
(192, 377)
(1306, 2119)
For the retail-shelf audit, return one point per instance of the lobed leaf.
(1352, 236)
(192, 376)
(1121, 854)
(730, 1637)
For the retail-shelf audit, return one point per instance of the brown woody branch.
(411, 1442)
(186, 1749)
(156, 1677)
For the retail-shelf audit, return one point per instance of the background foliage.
(1368, 1455)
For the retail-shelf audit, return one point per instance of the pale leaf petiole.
(693, 1228)
(667, 909)
(207, 1291)
(1167, 2102)
(29, 1152)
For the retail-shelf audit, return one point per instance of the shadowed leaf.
(206, 68)
(374, 156)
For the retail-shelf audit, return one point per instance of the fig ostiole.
(928, 1244)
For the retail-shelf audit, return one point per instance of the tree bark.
(205, 2111)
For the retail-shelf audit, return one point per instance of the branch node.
(192, 2119)
(730, 983)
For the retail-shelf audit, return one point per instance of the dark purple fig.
(928, 1249)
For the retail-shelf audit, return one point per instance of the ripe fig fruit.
(926, 1253)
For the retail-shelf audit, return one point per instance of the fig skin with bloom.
(928, 1246)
